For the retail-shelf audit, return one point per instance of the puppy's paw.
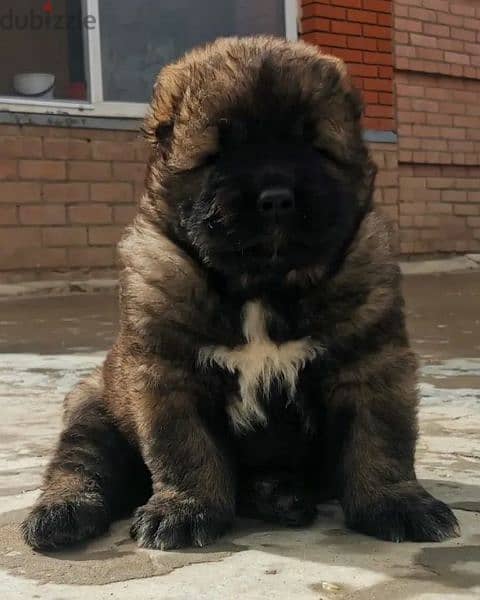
(278, 500)
(64, 522)
(416, 516)
(177, 524)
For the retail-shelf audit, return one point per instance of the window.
(100, 57)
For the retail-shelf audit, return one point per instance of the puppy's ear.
(160, 120)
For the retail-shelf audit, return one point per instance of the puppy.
(262, 362)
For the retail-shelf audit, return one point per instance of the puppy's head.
(258, 162)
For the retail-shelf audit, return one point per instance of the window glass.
(138, 38)
(42, 50)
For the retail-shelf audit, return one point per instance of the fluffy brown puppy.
(262, 362)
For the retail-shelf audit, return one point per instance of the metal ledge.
(128, 124)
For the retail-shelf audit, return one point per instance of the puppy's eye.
(163, 132)
(327, 155)
(230, 131)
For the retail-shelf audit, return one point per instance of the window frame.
(96, 106)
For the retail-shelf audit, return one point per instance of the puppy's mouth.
(276, 248)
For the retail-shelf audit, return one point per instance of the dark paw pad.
(166, 526)
(279, 501)
(50, 526)
(415, 517)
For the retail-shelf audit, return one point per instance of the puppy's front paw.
(278, 500)
(412, 515)
(51, 525)
(177, 524)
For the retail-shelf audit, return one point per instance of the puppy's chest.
(266, 370)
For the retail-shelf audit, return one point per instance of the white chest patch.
(258, 363)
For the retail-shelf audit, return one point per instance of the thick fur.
(260, 366)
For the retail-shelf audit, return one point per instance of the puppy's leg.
(86, 482)
(193, 489)
(380, 494)
(276, 497)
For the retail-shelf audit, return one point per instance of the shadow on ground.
(450, 566)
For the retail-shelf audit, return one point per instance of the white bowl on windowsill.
(34, 85)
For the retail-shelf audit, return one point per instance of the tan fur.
(258, 363)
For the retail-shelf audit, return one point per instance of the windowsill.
(64, 108)
(89, 121)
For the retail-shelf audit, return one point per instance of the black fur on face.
(226, 213)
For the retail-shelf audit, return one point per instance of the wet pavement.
(46, 344)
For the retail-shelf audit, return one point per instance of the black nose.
(276, 202)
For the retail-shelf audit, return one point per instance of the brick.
(14, 238)
(349, 3)
(439, 5)
(377, 58)
(47, 170)
(90, 214)
(379, 111)
(8, 215)
(17, 192)
(315, 24)
(457, 58)
(473, 196)
(108, 235)
(20, 147)
(381, 85)
(346, 27)
(370, 97)
(427, 41)
(361, 43)
(460, 33)
(361, 16)
(104, 150)
(42, 215)
(328, 12)
(410, 25)
(466, 209)
(378, 5)
(348, 55)
(124, 214)
(323, 39)
(454, 196)
(89, 171)
(90, 257)
(111, 192)
(33, 257)
(376, 31)
(385, 20)
(440, 182)
(462, 9)
(129, 171)
(66, 149)
(364, 70)
(64, 237)
(66, 193)
(8, 169)
(449, 19)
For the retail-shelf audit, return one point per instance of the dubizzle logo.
(48, 7)
(44, 18)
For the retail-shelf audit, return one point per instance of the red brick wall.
(65, 196)
(360, 32)
(437, 60)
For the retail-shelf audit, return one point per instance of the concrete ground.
(48, 343)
